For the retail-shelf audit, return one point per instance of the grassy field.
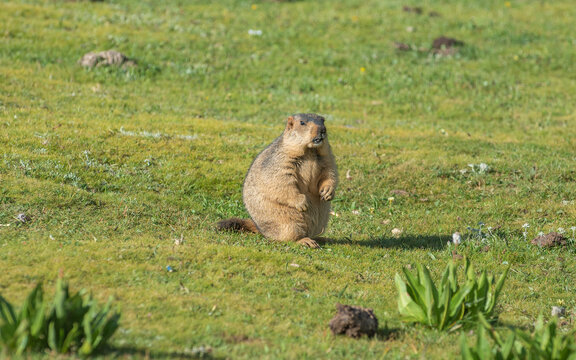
(114, 164)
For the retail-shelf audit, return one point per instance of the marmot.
(289, 186)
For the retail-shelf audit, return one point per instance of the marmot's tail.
(236, 224)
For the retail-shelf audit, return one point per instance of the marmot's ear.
(290, 122)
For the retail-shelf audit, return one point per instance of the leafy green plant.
(503, 348)
(545, 343)
(484, 291)
(24, 329)
(446, 305)
(70, 323)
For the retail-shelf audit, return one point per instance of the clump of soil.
(106, 58)
(412, 9)
(399, 192)
(419, 11)
(549, 240)
(445, 46)
(23, 218)
(354, 321)
(401, 46)
(444, 42)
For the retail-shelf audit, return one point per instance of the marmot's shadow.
(434, 242)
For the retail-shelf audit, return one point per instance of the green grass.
(112, 165)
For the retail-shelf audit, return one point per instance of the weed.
(70, 323)
(450, 303)
(546, 342)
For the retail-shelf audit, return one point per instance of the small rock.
(23, 218)
(397, 232)
(106, 58)
(354, 321)
(558, 311)
(551, 239)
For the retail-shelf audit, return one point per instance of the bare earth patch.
(549, 240)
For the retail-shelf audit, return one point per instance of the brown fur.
(290, 184)
(236, 224)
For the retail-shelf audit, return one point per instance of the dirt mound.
(551, 239)
(444, 42)
(412, 9)
(354, 321)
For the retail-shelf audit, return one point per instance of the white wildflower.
(456, 238)
(255, 32)
(397, 232)
(483, 168)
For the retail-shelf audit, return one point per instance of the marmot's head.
(305, 130)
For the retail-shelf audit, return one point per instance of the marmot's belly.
(273, 218)
(316, 216)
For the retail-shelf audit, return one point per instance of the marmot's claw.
(309, 243)
(327, 193)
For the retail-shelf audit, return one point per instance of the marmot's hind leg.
(294, 232)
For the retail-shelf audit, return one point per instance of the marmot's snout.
(321, 135)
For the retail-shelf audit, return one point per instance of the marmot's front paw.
(301, 203)
(327, 192)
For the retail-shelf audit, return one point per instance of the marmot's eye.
(302, 123)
